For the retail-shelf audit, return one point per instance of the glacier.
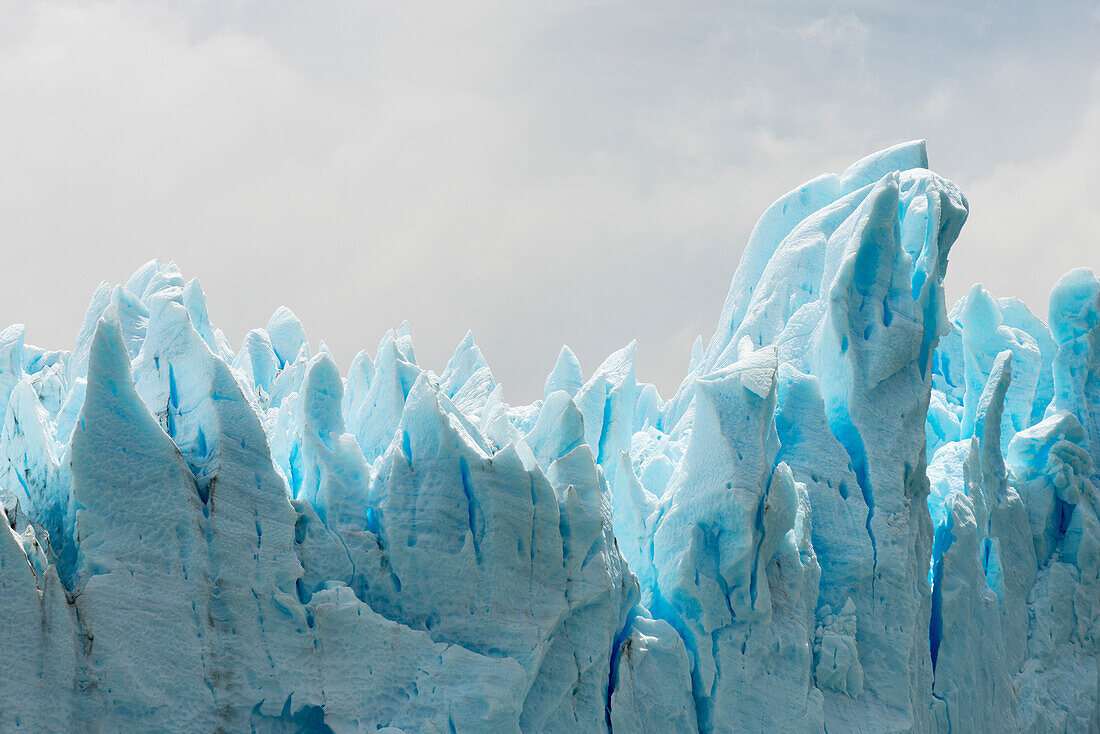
(860, 511)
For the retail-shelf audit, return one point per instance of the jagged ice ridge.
(859, 511)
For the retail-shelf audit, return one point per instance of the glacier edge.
(861, 510)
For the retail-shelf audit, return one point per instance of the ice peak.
(858, 509)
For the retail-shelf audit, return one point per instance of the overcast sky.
(543, 173)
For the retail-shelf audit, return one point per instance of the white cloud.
(543, 174)
(1030, 222)
(424, 179)
(939, 104)
(837, 29)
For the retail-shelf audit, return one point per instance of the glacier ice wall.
(859, 511)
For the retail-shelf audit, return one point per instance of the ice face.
(859, 511)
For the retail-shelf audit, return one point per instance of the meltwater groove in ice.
(859, 511)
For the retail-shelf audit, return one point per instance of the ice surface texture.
(859, 512)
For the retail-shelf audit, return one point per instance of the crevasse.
(860, 511)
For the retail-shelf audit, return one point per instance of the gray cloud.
(583, 173)
(1031, 221)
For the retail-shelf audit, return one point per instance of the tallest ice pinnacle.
(859, 512)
